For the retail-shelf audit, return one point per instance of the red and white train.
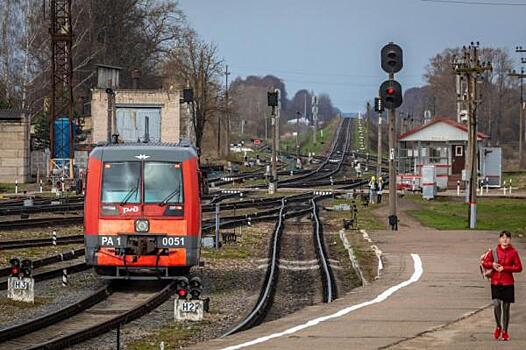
(142, 214)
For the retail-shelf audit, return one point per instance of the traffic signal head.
(391, 94)
(196, 287)
(392, 58)
(15, 267)
(378, 105)
(272, 99)
(26, 268)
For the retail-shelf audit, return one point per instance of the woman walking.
(504, 264)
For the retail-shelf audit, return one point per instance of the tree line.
(151, 36)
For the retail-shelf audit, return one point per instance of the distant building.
(441, 142)
(14, 146)
(301, 121)
(154, 114)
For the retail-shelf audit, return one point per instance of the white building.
(441, 142)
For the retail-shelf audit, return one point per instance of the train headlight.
(142, 225)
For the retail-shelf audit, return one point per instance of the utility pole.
(521, 76)
(470, 67)
(314, 118)
(298, 114)
(227, 113)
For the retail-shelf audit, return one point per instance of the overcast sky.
(333, 46)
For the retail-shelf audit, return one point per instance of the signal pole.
(379, 108)
(391, 115)
(273, 98)
(470, 67)
(275, 138)
(391, 95)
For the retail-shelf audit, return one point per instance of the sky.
(333, 46)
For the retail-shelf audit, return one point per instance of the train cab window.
(121, 182)
(163, 183)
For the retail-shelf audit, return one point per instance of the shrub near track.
(492, 214)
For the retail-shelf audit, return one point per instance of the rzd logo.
(134, 209)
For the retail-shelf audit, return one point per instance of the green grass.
(518, 179)
(173, 335)
(492, 214)
(226, 252)
(306, 140)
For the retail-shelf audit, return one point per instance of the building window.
(459, 151)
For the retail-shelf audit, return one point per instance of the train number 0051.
(172, 241)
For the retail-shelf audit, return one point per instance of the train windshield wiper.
(131, 192)
(170, 196)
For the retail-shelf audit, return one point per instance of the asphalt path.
(442, 306)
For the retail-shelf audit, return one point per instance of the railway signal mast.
(273, 99)
(391, 96)
(61, 117)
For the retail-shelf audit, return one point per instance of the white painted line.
(381, 297)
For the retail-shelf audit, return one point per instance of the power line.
(477, 2)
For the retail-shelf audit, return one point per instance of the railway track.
(41, 222)
(266, 297)
(48, 272)
(69, 255)
(104, 310)
(40, 242)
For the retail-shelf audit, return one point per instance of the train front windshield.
(147, 182)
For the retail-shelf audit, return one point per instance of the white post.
(487, 185)
(40, 185)
(458, 187)
(54, 238)
(510, 186)
(161, 345)
(16, 186)
(504, 187)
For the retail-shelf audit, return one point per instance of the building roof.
(11, 114)
(441, 119)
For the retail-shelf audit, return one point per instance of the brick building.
(14, 146)
(154, 114)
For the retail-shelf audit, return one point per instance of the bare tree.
(195, 62)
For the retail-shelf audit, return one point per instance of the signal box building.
(441, 142)
(140, 114)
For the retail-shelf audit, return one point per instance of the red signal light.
(181, 292)
(15, 271)
(390, 91)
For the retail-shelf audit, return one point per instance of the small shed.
(441, 142)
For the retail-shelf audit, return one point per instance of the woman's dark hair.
(505, 233)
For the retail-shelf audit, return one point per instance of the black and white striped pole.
(64, 277)
(54, 238)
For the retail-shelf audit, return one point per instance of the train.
(142, 210)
